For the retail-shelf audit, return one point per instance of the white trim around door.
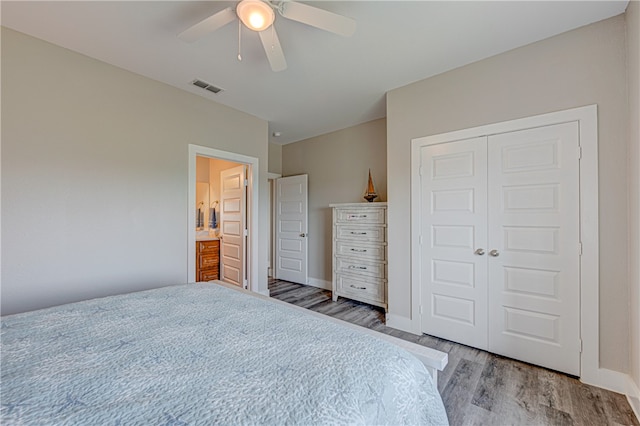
(291, 232)
(253, 209)
(586, 117)
(272, 223)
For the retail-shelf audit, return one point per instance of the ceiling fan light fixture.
(255, 14)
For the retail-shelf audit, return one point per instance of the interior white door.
(534, 252)
(233, 199)
(454, 236)
(292, 228)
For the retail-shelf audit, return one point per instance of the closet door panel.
(453, 226)
(534, 283)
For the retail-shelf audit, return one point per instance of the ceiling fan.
(259, 15)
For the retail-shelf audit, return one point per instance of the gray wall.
(337, 164)
(95, 175)
(633, 62)
(581, 67)
(275, 158)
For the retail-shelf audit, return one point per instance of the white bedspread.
(203, 354)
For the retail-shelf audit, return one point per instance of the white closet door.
(454, 234)
(534, 260)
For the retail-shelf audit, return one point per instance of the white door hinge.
(246, 182)
(245, 284)
(579, 153)
(420, 171)
(420, 309)
(580, 341)
(246, 232)
(420, 240)
(579, 249)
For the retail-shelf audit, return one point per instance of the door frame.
(252, 164)
(272, 177)
(587, 119)
(277, 255)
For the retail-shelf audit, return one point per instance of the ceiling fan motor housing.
(255, 14)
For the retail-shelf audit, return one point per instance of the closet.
(499, 253)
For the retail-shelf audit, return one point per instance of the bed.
(208, 354)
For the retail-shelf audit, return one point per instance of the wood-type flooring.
(477, 387)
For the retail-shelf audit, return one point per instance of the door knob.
(303, 235)
(479, 252)
(494, 253)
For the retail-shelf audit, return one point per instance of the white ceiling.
(331, 82)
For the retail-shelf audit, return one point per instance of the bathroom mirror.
(202, 205)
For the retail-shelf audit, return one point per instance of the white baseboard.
(401, 323)
(606, 379)
(315, 282)
(633, 396)
(616, 382)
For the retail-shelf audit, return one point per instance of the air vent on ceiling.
(206, 86)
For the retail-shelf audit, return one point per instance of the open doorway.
(271, 246)
(221, 221)
(289, 222)
(222, 213)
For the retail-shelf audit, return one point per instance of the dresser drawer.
(374, 234)
(360, 289)
(208, 275)
(207, 261)
(361, 251)
(207, 247)
(361, 215)
(365, 268)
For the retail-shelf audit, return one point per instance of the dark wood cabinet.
(207, 260)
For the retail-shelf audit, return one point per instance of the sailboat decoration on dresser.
(370, 195)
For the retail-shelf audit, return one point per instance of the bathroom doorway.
(222, 217)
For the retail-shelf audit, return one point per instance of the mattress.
(204, 354)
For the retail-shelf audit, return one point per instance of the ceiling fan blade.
(319, 18)
(208, 25)
(272, 48)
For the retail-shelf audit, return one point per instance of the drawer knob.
(357, 288)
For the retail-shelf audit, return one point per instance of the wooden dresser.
(207, 260)
(360, 252)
